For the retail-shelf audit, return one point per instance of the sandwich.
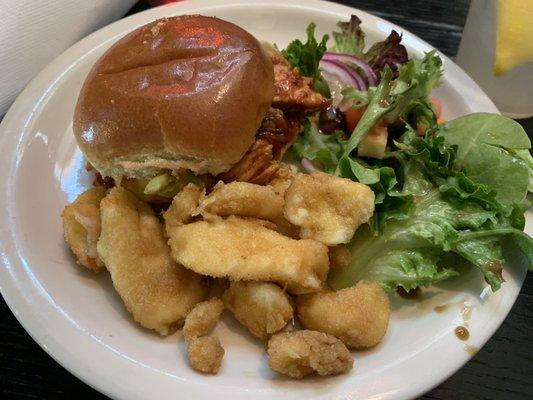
(190, 98)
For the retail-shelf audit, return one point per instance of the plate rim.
(20, 115)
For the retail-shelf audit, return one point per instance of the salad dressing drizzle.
(472, 350)
(462, 333)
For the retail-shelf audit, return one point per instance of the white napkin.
(34, 32)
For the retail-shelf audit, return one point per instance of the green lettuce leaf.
(483, 249)
(379, 104)
(525, 155)
(452, 198)
(306, 56)
(430, 209)
(485, 144)
(416, 79)
(380, 179)
(486, 254)
(407, 267)
(351, 38)
(360, 98)
(388, 52)
(324, 150)
(419, 76)
(406, 252)
(398, 98)
(438, 161)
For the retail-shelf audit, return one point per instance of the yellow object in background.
(514, 35)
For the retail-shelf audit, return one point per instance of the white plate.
(79, 320)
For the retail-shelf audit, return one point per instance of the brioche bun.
(181, 92)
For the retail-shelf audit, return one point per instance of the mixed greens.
(306, 56)
(449, 196)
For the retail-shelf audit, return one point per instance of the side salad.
(449, 195)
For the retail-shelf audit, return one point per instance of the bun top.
(180, 92)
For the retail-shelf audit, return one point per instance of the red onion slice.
(344, 73)
(308, 166)
(342, 57)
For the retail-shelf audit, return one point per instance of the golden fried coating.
(284, 227)
(205, 354)
(182, 207)
(81, 225)
(339, 256)
(280, 183)
(243, 199)
(283, 179)
(357, 315)
(301, 353)
(328, 208)
(202, 318)
(241, 249)
(262, 307)
(158, 292)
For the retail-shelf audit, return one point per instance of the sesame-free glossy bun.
(181, 92)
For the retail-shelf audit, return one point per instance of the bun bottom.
(147, 167)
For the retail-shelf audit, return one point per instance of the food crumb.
(301, 353)
(442, 308)
(205, 354)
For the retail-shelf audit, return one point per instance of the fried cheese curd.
(81, 226)
(283, 179)
(205, 353)
(262, 307)
(249, 200)
(358, 315)
(242, 199)
(301, 353)
(202, 318)
(280, 183)
(243, 249)
(182, 207)
(157, 291)
(328, 208)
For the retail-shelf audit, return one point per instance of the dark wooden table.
(503, 369)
